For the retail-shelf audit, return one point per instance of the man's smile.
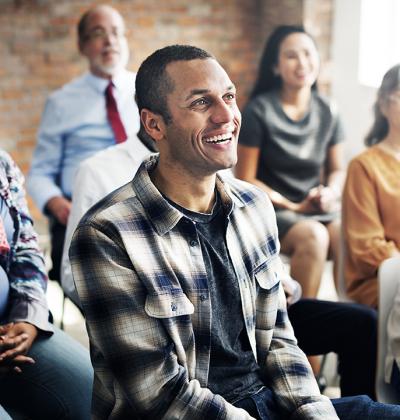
(220, 138)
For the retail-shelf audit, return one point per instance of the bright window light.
(379, 39)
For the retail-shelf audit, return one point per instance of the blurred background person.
(96, 177)
(92, 112)
(290, 146)
(371, 220)
(371, 197)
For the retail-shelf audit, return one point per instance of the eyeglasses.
(395, 99)
(100, 33)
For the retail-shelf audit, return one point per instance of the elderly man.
(178, 272)
(86, 115)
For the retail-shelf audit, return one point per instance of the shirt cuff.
(32, 311)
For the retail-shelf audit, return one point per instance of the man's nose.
(222, 113)
(110, 38)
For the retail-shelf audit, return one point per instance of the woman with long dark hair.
(290, 146)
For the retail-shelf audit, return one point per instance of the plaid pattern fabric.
(24, 262)
(140, 275)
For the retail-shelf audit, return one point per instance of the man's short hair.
(82, 26)
(152, 81)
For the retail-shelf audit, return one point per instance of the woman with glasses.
(371, 217)
(371, 197)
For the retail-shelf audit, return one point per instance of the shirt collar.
(163, 215)
(122, 79)
(134, 147)
(119, 80)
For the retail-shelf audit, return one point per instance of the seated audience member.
(90, 113)
(371, 222)
(290, 146)
(96, 177)
(44, 374)
(179, 273)
(321, 327)
(371, 197)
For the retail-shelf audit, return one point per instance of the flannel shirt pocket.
(267, 297)
(168, 304)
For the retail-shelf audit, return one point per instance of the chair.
(388, 279)
(44, 245)
(341, 281)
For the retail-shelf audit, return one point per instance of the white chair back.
(388, 279)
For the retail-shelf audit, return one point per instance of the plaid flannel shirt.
(24, 263)
(141, 278)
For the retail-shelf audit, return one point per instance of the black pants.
(349, 330)
(57, 237)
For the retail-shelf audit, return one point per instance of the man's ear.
(153, 124)
(81, 47)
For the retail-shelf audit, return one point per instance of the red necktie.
(4, 246)
(113, 115)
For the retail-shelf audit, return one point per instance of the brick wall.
(318, 19)
(38, 47)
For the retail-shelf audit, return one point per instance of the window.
(379, 39)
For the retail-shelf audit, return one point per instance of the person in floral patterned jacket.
(37, 360)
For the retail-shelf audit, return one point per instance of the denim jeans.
(362, 407)
(4, 292)
(3, 414)
(58, 386)
(263, 406)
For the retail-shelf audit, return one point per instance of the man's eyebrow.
(95, 28)
(196, 92)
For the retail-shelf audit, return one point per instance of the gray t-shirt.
(293, 153)
(234, 372)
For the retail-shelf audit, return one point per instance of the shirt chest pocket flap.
(168, 304)
(267, 299)
(266, 277)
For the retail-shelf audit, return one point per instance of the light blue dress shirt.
(74, 126)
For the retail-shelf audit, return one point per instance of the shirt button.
(193, 243)
(203, 298)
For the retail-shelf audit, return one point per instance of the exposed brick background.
(38, 47)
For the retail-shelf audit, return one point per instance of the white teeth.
(218, 139)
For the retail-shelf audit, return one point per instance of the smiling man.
(92, 112)
(178, 271)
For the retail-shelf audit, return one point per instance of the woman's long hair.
(380, 126)
(267, 79)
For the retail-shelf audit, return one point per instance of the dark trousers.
(349, 330)
(395, 377)
(57, 237)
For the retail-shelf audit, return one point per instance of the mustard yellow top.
(371, 220)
